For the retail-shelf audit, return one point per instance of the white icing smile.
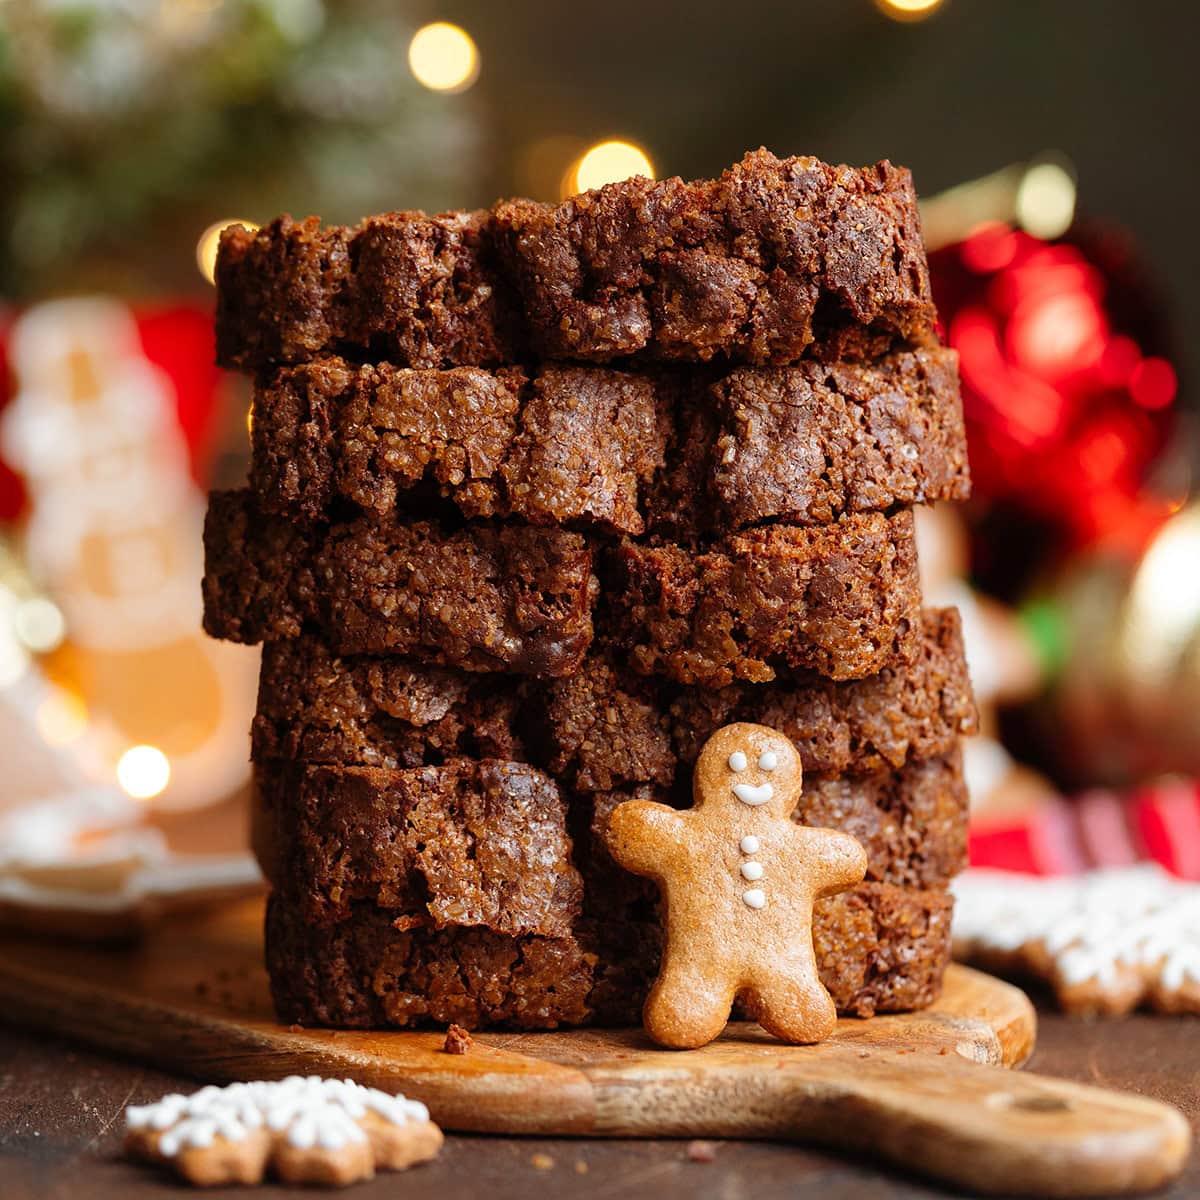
(754, 795)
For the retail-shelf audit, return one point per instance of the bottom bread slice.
(880, 948)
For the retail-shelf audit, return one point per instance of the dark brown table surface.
(61, 1122)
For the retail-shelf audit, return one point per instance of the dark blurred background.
(1054, 144)
(250, 109)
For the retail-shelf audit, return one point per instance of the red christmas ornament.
(1068, 391)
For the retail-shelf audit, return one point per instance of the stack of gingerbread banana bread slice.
(541, 497)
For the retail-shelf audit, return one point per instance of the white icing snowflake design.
(1092, 925)
(309, 1111)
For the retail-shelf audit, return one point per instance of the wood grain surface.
(927, 1091)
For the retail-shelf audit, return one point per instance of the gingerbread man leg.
(688, 1005)
(790, 1002)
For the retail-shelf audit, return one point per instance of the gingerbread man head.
(748, 766)
(738, 879)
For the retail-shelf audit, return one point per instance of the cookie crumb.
(458, 1040)
(701, 1152)
(541, 1162)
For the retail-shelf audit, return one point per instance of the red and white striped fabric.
(1158, 823)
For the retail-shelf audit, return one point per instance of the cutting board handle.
(993, 1130)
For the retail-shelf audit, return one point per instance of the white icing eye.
(749, 793)
(768, 760)
(737, 761)
(755, 898)
(749, 844)
(752, 871)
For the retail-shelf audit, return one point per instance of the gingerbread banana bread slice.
(841, 600)
(776, 260)
(403, 287)
(605, 726)
(564, 445)
(379, 710)
(376, 970)
(810, 443)
(470, 843)
(484, 597)
(917, 707)
(687, 455)
(879, 949)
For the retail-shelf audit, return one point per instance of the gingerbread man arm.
(639, 832)
(836, 860)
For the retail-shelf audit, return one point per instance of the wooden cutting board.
(928, 1091)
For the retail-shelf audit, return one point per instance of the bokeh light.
(908, 10)
(210, 239)
(39, 623)
(443, 57)
(62, 718)
(607, 162)
(143, 772)
(1152, 383)
(1045, 201)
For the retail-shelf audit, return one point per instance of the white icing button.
(755, 898)
(752, 870)
(737, 761)
(768, 760)
(754, 795)
(750, 844)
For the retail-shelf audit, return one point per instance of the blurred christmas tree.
(127, 127)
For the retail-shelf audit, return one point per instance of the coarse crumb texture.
(471, 843)
(367, 971)
(842, 600)
(776, 260)
(379, 710)
(484, 597)
(688, 455)
(605, 726)
(879, 948)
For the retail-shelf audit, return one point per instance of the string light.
(1045, 203)
(210, 239)
(143, 771)
(443, 57)
(607, 162)
(61, 718)
(908, 10)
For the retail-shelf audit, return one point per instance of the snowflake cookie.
(1107, 941)
(307, 1130)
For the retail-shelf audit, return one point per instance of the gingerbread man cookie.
(738, 879)
(306, 1129)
